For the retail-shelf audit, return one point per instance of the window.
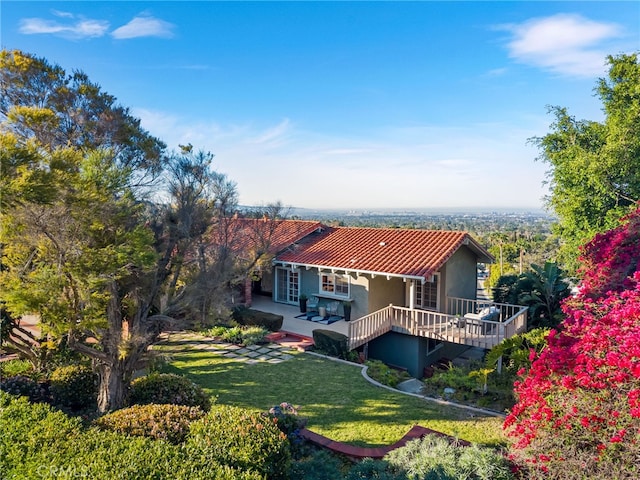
(427, 294)
(334, 284)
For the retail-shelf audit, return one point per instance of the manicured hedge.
(163, 388)
(250, 317)
(39, 442)
(238, 438)
(331, 343)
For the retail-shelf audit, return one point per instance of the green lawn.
(337, 401)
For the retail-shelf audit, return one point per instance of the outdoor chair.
(312, 304)
(332, 308)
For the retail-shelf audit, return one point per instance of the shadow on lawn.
(335, 399)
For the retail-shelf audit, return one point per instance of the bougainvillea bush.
(578, 409)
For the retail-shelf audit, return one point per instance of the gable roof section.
(272, 235)
(385, 251)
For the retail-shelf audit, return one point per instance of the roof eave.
(350, 270)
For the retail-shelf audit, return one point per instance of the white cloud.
(496, 72)
(273, 136)
(144, 26)
(566, 44)
(76, 27)
(60, 13)
(81, 28)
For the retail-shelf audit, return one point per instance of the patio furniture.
(487, 313)
(332, 308)
(312, 303)
(457, 322)
(476, 322)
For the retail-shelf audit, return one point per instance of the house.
(412, 292)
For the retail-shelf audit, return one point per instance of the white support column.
(412, 293)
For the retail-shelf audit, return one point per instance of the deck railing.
(369, 327)
(450, 327)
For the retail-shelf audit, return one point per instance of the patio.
(291, 324)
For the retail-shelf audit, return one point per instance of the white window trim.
(418, 299)
(325, 293)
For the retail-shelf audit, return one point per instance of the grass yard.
(334, 397)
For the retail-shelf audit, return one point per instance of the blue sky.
(357, 105)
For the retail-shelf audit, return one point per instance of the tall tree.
(42, 101)
(82, 245)
(594, 173)
(96, 262)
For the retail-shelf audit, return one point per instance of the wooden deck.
(449, 327)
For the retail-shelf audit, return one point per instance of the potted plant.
(303, 303)
(346, 307)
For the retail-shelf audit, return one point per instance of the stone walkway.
(273, 353)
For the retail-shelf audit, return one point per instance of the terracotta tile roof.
(273, 236)
(416, 253)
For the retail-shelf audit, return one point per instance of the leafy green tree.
(82, 244)
(594, 166)
(506, 289)
(97, 263)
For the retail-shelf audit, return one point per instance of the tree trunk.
(112, 392)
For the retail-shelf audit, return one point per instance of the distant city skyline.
(345, 105)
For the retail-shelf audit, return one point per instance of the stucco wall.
(309, 282)
(360, 296)
(310, 285)
(383, 292)
(459, 276)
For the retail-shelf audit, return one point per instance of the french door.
(287, 285)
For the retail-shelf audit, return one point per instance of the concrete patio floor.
(294, 325)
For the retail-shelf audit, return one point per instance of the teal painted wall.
(401, 350)
(412, 353)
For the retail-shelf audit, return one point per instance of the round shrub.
(166, 422)
(238, 438)
(22, 386)
(168, 388)
(74, 387)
